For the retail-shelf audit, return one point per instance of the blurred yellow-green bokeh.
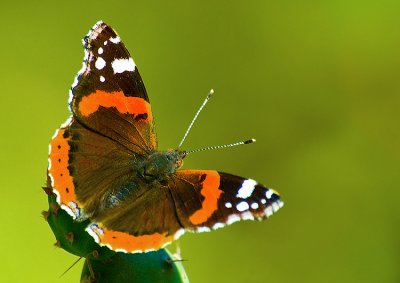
(317, 83)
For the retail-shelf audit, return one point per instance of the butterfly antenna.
(186, 152)
(195, 116)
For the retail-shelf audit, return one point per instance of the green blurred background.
(315, 82)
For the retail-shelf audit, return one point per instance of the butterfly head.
(159, 165)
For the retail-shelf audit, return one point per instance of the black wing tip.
(95, 31)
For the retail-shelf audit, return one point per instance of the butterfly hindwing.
(109, 92)
(208, 199)
(193, 200)
(141, 223)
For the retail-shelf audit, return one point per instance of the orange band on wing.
(58, 169)
(124, 104)
(129, 243)
(211, 192)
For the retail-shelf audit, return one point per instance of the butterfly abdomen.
(121, 194)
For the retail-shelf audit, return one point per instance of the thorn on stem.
(70, 237)
(95, 254)
(45, 214)
(54, 208)
(48, 191)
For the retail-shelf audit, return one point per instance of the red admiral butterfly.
(104, 164)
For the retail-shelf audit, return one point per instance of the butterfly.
(105, 166)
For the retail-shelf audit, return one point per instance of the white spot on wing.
(247, 216)
(268, 211)
(102, 79)
(48, 168)
(95, 231)
(254, 205)
(58, 198)
(275, 207)
(232, 219)
(203, 229)
(115, 40)
(100, 51)
(68, 210)
(246, 189)
(105, 42)
(117, 250)
(263, 201)
(218, 225)
(123, 65)
(242, 206)
(228, 205)
(269, 194)
(100, 63)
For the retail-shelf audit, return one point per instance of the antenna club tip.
(250, 141)
(211, 92)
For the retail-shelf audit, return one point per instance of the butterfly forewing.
(108, 95)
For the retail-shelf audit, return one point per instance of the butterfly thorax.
(159, 165)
